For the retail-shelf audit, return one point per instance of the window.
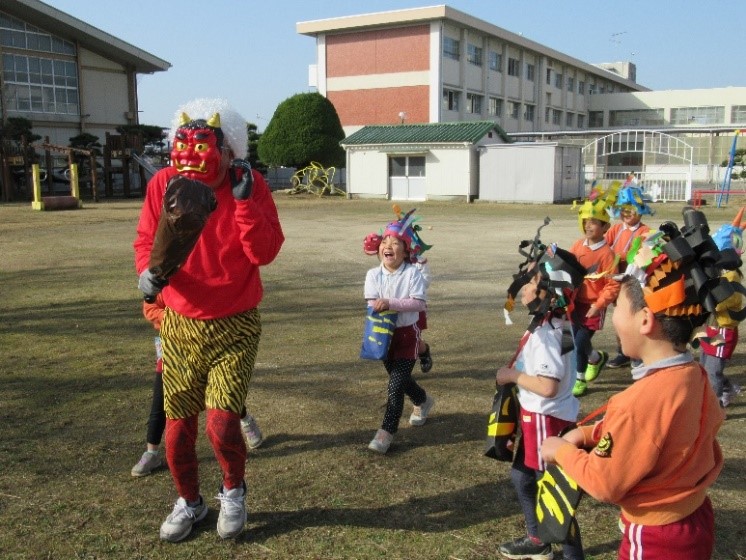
(636, 117)
(569, 119)
(558, 80)
(698, 115)
(450, 99)
(581, 121)
(549, 76)
(514, 67)
(738, 114)
(595, 119)
(474, 54)
(515, 109)
(496, 61)
(528, 113)
(591, 89)
(570, 83)
(581, 87)
(496, 107)
(547, 114)
(17, 34)
(40, 85)
(474, 103)
(556, 116)
(451, 48)
(530, 72)
(407, 166)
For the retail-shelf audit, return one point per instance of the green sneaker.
(580, 388)
(593, 370)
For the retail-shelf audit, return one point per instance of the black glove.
(241, 188)
(150, 285)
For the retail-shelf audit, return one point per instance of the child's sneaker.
(381, 441)
(149, 461)
(419, 413)
(426, 360)
(618, 361)
(251, 432)
(526, 549)
(232, 516)
(178, 525)
(593, 370)
(579, 388)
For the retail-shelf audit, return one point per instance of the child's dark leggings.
(157, 418)
(524, 480)
(400, 384)
(583, 347)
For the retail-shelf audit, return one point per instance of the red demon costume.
(211, 327)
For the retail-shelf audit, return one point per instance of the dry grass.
(76, 369)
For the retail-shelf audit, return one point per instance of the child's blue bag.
(377, 334)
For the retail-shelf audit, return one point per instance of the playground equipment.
(725, 188)
(315, 179)
(71, 202)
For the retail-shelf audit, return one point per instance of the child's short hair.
(677, 330)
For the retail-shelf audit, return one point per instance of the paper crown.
(406, 228)
(561, 274)
(599, 203)
(630, 198)
(680, 270)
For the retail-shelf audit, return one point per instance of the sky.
(249, 53)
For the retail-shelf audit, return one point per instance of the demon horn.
(214, 121)
(184, 119)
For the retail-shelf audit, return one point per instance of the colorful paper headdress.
(729, 239)
(680, 270)
(561, 274)
(630, 198)
(599, 203)
(406, 228)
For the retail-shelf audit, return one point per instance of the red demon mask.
(197, 151)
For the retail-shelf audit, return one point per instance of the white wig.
(232, 124)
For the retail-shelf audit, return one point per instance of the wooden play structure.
(53, 202)
(119, 155)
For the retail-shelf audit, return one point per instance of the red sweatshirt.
(221, 276)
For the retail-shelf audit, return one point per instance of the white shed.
(539, 172)
(438, 161)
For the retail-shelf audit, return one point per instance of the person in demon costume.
(211, 326)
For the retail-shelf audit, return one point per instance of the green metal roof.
(434, 133)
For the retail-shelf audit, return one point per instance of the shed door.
(407, 178)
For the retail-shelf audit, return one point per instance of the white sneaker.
(232, 516)
(149, 461)
(178, 525)
(381, 441)
(420, 413)
(251, 432)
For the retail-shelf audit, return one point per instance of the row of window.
(40, 84)
(474, 55)
(679, 116)
(17, 34)
(495, 108)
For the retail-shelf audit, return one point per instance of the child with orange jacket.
(655, 453)
(596, 293)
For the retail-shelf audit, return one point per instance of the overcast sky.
(249, 53)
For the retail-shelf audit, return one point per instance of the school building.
(438, 65)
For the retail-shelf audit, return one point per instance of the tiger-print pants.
(208, 363)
